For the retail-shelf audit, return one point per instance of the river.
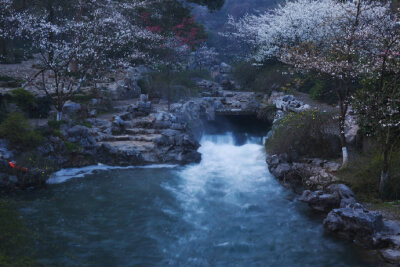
(227, 210)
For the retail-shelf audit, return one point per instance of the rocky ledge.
(311, 173)
(344, 216)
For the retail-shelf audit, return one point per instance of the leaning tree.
(324, 36)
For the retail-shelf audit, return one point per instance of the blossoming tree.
(325, 36)
(378, 102)
(8, 25)
(98, 35)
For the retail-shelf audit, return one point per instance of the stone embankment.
(345, 216)
(317, 182)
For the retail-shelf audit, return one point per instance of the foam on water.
(66, 174)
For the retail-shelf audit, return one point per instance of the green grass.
(71, 147)
(363, 174)
(82, 99)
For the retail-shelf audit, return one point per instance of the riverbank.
(318, 183)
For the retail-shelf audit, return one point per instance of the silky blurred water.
(226, 211)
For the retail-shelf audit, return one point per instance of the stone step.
(123, 108)
(145, 138)
(136, 131)
(131, 145)
(141, 123)
(117, 138)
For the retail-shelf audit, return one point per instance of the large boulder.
(334, 196)
(225, 68)
(78, 131)
(287, 102)
(71, 108)
(5, 153)
(320, 201)
(345, 194)
(391, 255)
(355, 223)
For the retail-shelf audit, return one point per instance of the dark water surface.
(226, 211)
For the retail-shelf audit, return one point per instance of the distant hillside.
(214, 21)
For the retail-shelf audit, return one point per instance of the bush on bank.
(181, 83)
(16, 129)
(305, 134)
(33, 107)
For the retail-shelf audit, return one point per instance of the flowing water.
(226, 211)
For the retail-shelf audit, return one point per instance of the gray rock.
(346, 195)
(92, 113)
(78, 131)
(320, 201)
(332, 166)
(225, 68)
(273, 160)
(118, 121)
(355, 223)
(143, 98)
(391, 255)
(5, 154)
(71, 108)
(281, 170)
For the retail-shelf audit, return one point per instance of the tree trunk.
(345, 153)
(384, 174)
(342, 120)
(169, 90)
(385, 165)
(3, 45)
(59, 115)
(73, 66)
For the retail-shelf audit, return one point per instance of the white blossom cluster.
(8, 19)
(338, 38)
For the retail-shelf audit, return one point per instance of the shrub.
(33, 107)
(81, 98)
(319, 88)
(181, 84)
(43, 107)
(6, 81)
(267, 113)
(308, 134)
(39, 168)
(316, 90)
(24, 99)
(53, 124)
(71, 147)
(16, 129)
(270, 76)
